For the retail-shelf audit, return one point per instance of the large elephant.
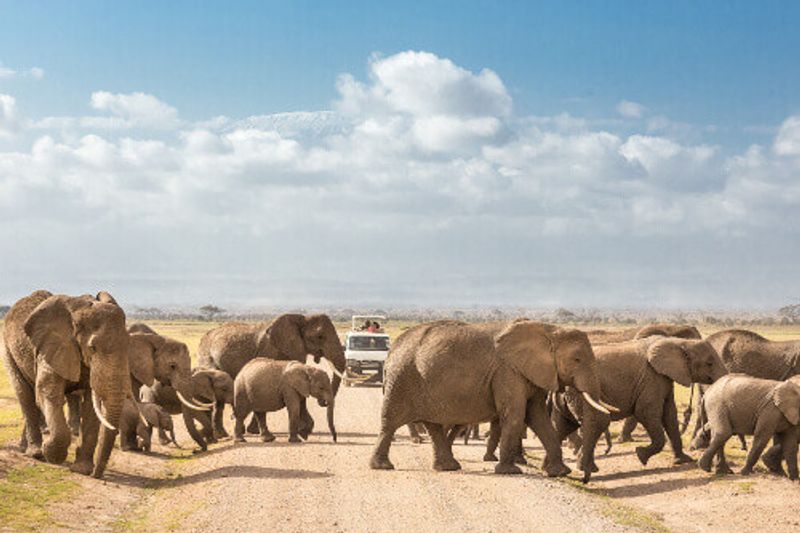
(155, 358)
(638, 378)
(450, 373)
(746, 352)
(290, 337)
(54, 345)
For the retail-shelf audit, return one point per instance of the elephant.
(449, 373)
(213, 386)
(264, 385)
(601, 336)
(290, 337)
(746, 352)
(167, 397)
(638, 378)
(683, 331)
(160, 363)
(56, 345)
(745, 405)
(137, 423)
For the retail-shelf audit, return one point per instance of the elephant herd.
(447, 376)
(115, 378)
(564, 383)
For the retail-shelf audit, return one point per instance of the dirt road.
(319, 485)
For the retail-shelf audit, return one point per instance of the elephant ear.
(668, 359)
(150, 412)
(285, 335)
(141, 357)
(52, 333)
(297, 377)
(203, 383)
(529, 347)
(787, 397)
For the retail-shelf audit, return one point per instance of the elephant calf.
(136, 425)
(745, 405)
(264, 385)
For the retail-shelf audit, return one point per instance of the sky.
(538, 154)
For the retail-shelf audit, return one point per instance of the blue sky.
(529, 153)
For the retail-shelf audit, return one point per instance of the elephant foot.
(682, 459)
(625, 438)
(746, 471)
(35, 452)
(380, 463)
(556, 469)
(591, 467)
(643, 454)
(82, 467)
(54, 453)
(520, 460)
(198, 451)
(507, 469)
(723, 469)
(269, 437)
(704, 464)
(773, 463)
(239, 438)
(446, 465)
(221, 434)
(163, 442)
(294, 439)
(700, 442)
(490, 457)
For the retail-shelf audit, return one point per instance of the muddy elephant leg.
(50, 398)
(760, 441)
(537, 420)
(670, 421)
(626, 435)
(443, 459)
(492, 441)
(31, 445)
(651, 418)
(89, 432)
(74, 412)
(219, 426)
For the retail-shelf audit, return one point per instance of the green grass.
(27, 491)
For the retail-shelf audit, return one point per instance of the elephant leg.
(238, 428)
(415, 436)
(537, 420)
(50, 397)
(492, 441)
(476, 432)
(773, 457)
(626, 435)
(188, 420)
(163, 438)
(74, 410)
(700, 437)
(207, 428)
(575, 441)
(252, 427)
(651, 418)
(306, 427)
(144, 434)
(261, 418)
(87, 440)
(219, 426)
(789, 442)
(442, 451)
(31, 443)
(760, 441)
(743, 442)
(720, 434)
(670, 421)
(294, 406)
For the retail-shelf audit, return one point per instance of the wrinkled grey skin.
(744, 405)
(264, 385)
(749, 353)
(290, 337)
(135, 433)
(450, 373)
(683, 331)
(57, 345)
(165, 396)
(637, 377)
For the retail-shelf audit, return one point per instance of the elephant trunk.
(588, 385)
(113, 412)
(334, 353)
(110, 386)
(331, 425)
(172, 438)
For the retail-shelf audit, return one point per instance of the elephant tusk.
(593, 403)
(96, 405)
(333, 369)
(188, 404)
(609, 406)
(210, 405)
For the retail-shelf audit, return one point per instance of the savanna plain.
(324, 486)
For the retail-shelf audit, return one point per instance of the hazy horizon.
(277, 155)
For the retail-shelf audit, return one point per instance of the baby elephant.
(135, 431)
(741, 404)
(264, 385)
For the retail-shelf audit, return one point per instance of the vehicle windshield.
(378, 344)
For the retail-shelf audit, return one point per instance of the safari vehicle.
(366, 346)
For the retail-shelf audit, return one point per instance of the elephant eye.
(173, 366)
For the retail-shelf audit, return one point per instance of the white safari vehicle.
(366, 346)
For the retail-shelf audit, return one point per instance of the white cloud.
(34, 72)
(629, 109)
(424, 159)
